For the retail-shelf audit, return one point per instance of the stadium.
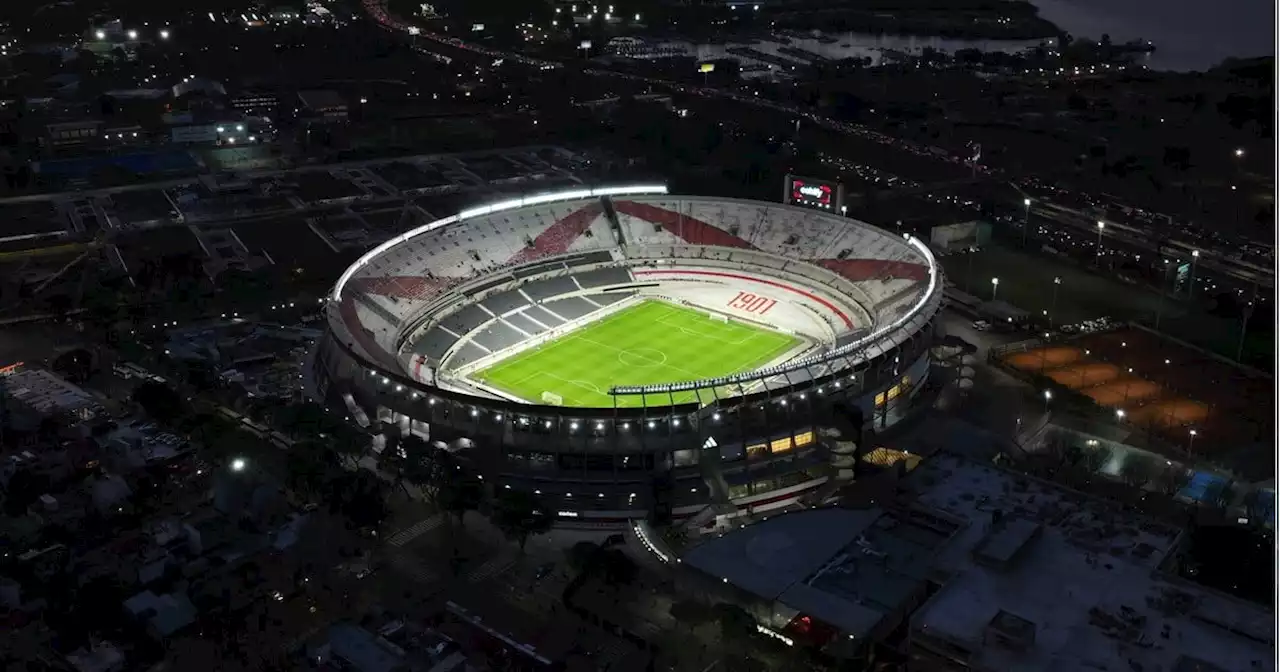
(625, 353)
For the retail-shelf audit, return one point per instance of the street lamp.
(1053, 304)
(238, 464)
(1120, 414)
(1239, 152)
(1191, 442)
(1047, 396)
(995, 286)
(164, 34)
(1098, 255)
(1026, 219)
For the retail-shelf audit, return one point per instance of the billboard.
(707, 67)
(964, 235)
(813, 193)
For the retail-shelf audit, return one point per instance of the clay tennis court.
(1161, 385)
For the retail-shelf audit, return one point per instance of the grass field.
(651, 342)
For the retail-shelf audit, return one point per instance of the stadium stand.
(523, 323)
(603, 277)
(610, 298)
(466, 354)
(505, 302)
(498, 336)
(571, 308)
(435, 343)
(465, 320)
(549, 288)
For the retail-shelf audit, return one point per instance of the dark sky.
(1189, 34)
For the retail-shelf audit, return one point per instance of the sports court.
(651, 342)
(1162, 385)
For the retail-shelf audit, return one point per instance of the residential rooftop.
(1043, 578)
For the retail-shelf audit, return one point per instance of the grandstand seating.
(549, 288)
(610, 298)
(465, 320)
(466, 354)
(571, 308)
(603, 277)
(524, 323)
(504, 302)
(392, 287)
(434, 344)
(498, 336)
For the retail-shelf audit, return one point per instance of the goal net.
(717, 317)
(553, 398)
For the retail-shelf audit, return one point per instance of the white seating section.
(393, 287)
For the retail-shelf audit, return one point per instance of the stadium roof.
(847, 568)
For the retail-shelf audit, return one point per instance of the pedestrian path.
(494, 566)
(615, 649)
(415, 530)
(412, 567)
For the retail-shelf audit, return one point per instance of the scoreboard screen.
(811, 193)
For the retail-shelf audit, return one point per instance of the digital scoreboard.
(813, 193)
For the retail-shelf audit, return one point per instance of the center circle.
(642, 357)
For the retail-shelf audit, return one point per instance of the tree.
(76, 365)
(1093, 459)
(736, 625)
(458, 495)
(581, 554)
(1173, 479)
(691, 612)
(617, 567)
(1136, 471)
(159, 401)
(308, 464)
(520, 515)
(358, 496)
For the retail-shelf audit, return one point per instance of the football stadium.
(626, 353)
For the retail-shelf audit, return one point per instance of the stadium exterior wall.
(601, 464)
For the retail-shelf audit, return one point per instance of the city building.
(323, 106)
(968, 566)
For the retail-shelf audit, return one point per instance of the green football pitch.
(651, 342)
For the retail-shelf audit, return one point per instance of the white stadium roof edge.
(573, 195)
(645, 189)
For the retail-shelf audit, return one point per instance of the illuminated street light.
(100, 34)
(1120, 414)
(133, 34)
(1098, 255)
(164, 34)
(995, 286)
(1239, 152)
(238, 464)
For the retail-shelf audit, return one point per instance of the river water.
(1189, 34)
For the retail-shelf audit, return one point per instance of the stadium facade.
(415, 320)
